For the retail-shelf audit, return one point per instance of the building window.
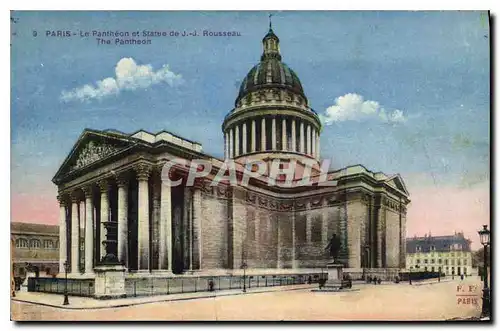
(452, 254)
(459, 262)
(433, 261)
(446, 261)
(21, 243)
(432, 269)
(419, 248)
(433, 248)
(418, 261)
(465, 262)
(426, 261)
(440, 261)
(48, 244)
(35, 243)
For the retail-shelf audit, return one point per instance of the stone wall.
(215, 232)
(392, 239)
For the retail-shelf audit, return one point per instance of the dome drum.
(271, 114)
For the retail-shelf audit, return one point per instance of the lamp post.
(66, 300)
(409, 276)
(484, 236)
(244, 266)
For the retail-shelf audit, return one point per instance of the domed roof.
(270, 72)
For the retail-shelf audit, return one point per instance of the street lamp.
(66, 300)
(484, 237)
(244, 266)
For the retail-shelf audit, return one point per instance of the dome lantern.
(271, 44)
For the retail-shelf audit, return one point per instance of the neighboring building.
(36, 245)
(110, 184)
(449, 254)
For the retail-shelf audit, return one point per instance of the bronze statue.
(334, 246)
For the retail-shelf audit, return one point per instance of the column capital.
(122, 180)
(62, 197)
(143, 171)
(103, 185)
(87, 190)
(74, 196)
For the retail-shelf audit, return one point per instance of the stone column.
(263, 135)
(63, 243)
(89, 230)
(244, 134)
(237, 141)
(302, 143)
(253, 144)
(279, 263)
(308, 140)
(283, 136)
(226, 145)
(380, 233)
(294, 243)
(197, 229)
(313, 142)
(273, 134)
(317, 145)
(165, 249)
(294, 137)
(143, 171)
(187, 226)
(122, 183)
(75, 236)
(308, 223)
(231, 144)
(104, 187)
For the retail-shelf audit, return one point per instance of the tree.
(478, 257)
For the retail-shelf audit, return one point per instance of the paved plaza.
(434, 301)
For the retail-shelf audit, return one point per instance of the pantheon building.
(115, 208)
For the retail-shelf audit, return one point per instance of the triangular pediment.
(397, 182)
(92, 147)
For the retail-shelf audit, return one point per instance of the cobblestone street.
(436, 301)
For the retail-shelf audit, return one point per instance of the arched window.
(21, 243)
(35, 243)
(48, 244)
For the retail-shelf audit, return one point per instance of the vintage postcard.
(250, 166)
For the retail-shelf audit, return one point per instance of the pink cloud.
(444, 210)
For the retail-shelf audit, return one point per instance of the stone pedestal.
(335, 276)
(109, 282)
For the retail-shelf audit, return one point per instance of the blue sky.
(432, 66)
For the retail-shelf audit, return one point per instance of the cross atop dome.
(271, 44)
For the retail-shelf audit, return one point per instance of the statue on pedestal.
(334, 247)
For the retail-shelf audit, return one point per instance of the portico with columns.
(120, 211)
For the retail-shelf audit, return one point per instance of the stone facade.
(111, 186)
(35, 245)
